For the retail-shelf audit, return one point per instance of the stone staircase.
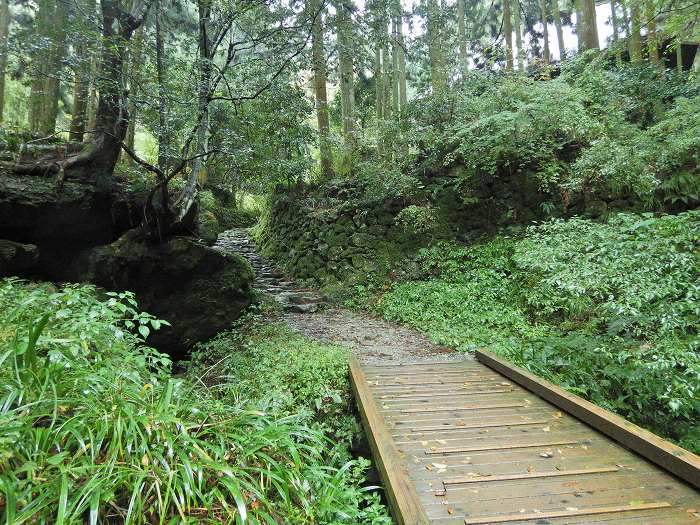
(268, 278)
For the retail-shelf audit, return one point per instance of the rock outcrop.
(16, 258)
(199, 290)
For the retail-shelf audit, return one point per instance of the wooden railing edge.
(678, 461)
(401, 492)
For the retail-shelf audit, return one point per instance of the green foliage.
(468, 302)
(634, 276)
(93, 425)
(609, 310)
(421, 220)
(283, 371)
(595, 128)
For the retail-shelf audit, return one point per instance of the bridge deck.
(462, 443)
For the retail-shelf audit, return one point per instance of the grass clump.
(608, 310)
(93, 428)
(272, 366)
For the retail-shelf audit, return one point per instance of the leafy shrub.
(93, 427)
(608, 310)
(634, 276)
(421, 220)
(596, 128)
(283, 371)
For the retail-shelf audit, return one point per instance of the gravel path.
(371, 339)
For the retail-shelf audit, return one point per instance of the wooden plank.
(419, 364)
(529, 475)
(439, 428)
(448, 394)
(673, 458)
(400, 491)
(460, 408)
(543, 444)
(565, 513)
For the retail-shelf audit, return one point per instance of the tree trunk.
(81, 90)
(462, 34)
(679, 55)
(625, 18)
(379, 95)
(164, 153)
(437, 73)
(112, 116)
(94, 164)
(387, 82)
(519, 36)
(57, 56)
(590, 27)
(635, 38)
(508, 33)
(395, 105)
(545, 31)
(346, 71)
(556, 15)
(187, 200)
(83, 79)
(134, 80)
(319, 69)
(91, 113)
(580, 43)
(616, 31)
(378, 83)
(40, 64)
(4, 33)
(403, 94)
(652, 37)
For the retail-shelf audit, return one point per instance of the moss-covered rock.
(335, 240)
(209, 227)
(198, 289)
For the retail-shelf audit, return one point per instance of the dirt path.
(371, 339)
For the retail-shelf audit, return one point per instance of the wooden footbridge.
(485, 442)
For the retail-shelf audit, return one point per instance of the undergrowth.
(268, 364)
(608, 310)
(95, 429)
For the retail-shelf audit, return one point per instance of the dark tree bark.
(186, 202)
(134, 80)
(4, 32)
(635, 38)
(81, 91)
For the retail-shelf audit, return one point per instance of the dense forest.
(207, 206)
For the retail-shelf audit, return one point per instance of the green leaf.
(144, 331)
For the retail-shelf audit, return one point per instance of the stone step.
(268, 278)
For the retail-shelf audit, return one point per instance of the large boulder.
(198, 289)
(17, 258)
(64, 217)
(38, 209)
